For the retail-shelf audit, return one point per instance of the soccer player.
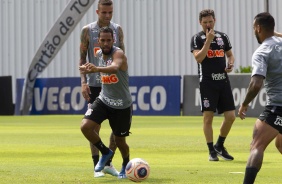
(278, 140)
(266, 63)
(91, 86)
(114, 101)
(210, 49)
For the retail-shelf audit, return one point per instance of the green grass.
(51, 149)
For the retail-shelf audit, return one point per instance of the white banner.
(50, 46)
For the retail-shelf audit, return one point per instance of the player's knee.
(84, 127)
(120, 141)
(232, 118)
(279, 147)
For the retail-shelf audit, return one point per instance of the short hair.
(265, 20)
(205, 13)
(105, 2)
(106, 30)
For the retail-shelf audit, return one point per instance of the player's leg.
(112, 144)
(208, 132)
(263, 134)
(95, 155)
(225, 105)
(109, 168)
(278, 142)
(92, 119)
(124, 150)
(87, 128)
(209, 98)
(120, 122)
(229, 118)
(95, 91)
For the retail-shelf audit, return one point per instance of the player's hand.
(85, 91)
(88, 68)
(242, 111)
(82, 69)
(210, 34)
(229, 68)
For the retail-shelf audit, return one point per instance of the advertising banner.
(50, 46)
(239, 84)
(155, 95)
(151, 95)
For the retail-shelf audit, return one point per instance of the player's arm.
(277, 34)
(119, 63)
(230, 60)
(253, 89)
(121, 37)
(200, 55)
(84, 42)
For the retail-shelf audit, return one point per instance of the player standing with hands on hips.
(91, 86)
(266, 64)
(210, 49)
(114, 101)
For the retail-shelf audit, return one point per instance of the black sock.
(100, 146)
(250, 175)
(210, 146)
(220, 141)
(95, 159)
(125, 161)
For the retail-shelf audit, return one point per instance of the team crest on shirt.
(203, 37)
(278, 48)
(206, 103)
(219, 42)
(109, 62)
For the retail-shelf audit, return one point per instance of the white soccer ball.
(137, 170)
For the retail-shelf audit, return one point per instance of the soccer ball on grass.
(137, 170)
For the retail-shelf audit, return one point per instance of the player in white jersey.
(267, 69)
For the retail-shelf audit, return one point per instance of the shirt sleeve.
(196, 44)
(227, 42)
(259, 64)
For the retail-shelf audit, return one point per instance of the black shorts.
(119, 119)
(95, 91)
(272, 115)
(216, 95)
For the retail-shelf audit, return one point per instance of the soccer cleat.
(122, 174)
(110, 170)
(103, 160)
(98, 174)
(213, 156)
(222, 152)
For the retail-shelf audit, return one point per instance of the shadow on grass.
(149, 180)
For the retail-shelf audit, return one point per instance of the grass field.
(51, 149)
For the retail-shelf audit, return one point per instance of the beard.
(258, 38)
(107, 51)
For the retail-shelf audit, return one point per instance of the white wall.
(157, 33)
